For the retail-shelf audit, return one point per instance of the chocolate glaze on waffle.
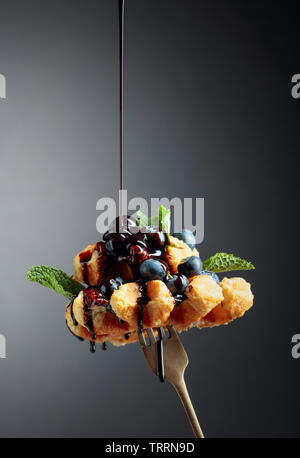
(85, 257)
(179, 298)
(142, 301)
(75, 322)
(92, 297)
(100, 247)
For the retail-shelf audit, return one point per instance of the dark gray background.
(208, 114)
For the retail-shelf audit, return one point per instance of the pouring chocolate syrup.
(142, 301)
(121, 59)
(92, 296)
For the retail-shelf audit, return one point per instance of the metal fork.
(175, 363)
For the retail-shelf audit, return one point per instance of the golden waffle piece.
(203, 293)
(153, 298)
(238, 298)
(176, 252)
(208, 304)
(90, 264)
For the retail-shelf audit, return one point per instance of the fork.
(175, 362)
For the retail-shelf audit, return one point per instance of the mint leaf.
(162, 220)
(142, 220)
(223, 262)
(55, 279)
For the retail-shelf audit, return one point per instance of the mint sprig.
(142, 220)
(223, 262)
(162, 220)
(55, 279)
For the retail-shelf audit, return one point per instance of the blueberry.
(115, 243)
(190, 266)
(152, 269)
(177, 284)
(212, 274)
(187, 237)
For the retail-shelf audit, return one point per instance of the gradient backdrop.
(209, 113)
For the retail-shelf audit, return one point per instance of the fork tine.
(173, 366)
(141, 339)
(149, 351)
(151, 336)
(175, 338)
(172, 331)
(163, 334)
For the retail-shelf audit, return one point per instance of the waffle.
(140, 305)
(90, 264)
(176, 251)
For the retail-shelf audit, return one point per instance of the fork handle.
(184, 397)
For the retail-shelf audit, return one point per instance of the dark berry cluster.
(135, 247)
(143, 252)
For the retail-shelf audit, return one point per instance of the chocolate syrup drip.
(84, 259)
(85, 275)
(91, 298)
(100, 247)
(92, 347)
(110, 310)
(77, 337)
(160, 357)
(127, 335)
(75, 322)
(179, 298)
(104, 346)
(142, 301)
(121, 56)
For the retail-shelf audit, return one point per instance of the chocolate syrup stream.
(75, 322)
(121, 56)
(88, 318)
(142, 301)
(160, 357)
(143, 298)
